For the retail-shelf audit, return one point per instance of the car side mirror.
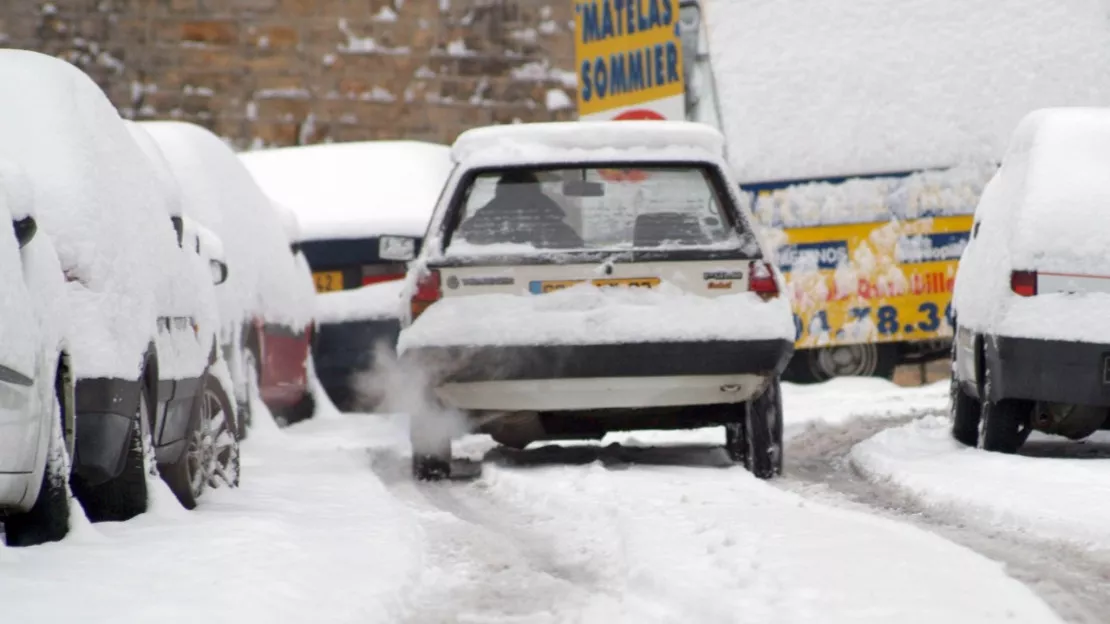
(219, 271)
(399, 248)
(25, 229)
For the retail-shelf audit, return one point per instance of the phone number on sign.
(885, 319)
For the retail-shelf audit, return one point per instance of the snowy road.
(650, 527)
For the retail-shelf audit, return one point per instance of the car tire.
(211, 454)
(300, 411)
(1004, 425)
(48, 518)
(965, 412)
(763, 432)
(431, 453)
(125, 496)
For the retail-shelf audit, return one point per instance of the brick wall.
(281, 72)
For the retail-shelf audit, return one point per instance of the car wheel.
(48, 519)
(1005, 424)
(211, 453)
(300, 411)
(763, 432)
(125, 496)
(431, 452)
(963, 409)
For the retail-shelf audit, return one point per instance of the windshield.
(592, 208)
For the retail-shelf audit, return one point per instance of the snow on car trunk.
(1036, 265)
(96, 196)
(263, 279)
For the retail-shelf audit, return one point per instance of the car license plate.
(631, 282)
(327, 281)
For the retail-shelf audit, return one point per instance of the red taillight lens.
(427, 292)
(378, 279)
(761, 280)
(1024, 283)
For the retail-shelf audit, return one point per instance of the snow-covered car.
(266, 304)
(132, 302)
(1032, 293)
(587, 277)
(36, 417)
(353, 200)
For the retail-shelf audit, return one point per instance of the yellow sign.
(873, 282)
(628, 54)
(327, 281)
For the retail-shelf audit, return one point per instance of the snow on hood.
(97, 197)
(264, 280)
(847, 87)
(585, 314)
(1045, 210)
(355, 190)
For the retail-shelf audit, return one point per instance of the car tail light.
(427, 292)
(1024, 283)
(761, 280)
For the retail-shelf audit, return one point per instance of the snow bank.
(376, 301)
(1044, 210)
(1053, 489)
(99, 200)
(846, 87)
(264, 280)
(584, 314)
(354, 190)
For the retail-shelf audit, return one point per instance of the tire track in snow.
(490, 561)
(1075, 583)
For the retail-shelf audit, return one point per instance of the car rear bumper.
(106, 410)
(1048, 370)
(575, 377)
(343, 349)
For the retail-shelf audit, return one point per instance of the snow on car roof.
(843, 87)
(1055, 177)
(355, 190)
(587, 141)
(263, 277)
(164, 176)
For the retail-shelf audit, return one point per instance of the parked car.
(609, 280)
(354, 201)
(1032, 350)
(35, 376)
(132, 301)
(266, 304)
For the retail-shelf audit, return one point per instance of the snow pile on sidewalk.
(846, 87)
(584, 314)
(354, 190)
(1056, 489)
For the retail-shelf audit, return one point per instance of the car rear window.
(616, 206)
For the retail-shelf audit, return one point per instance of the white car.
(586, 277)
(1032, 292)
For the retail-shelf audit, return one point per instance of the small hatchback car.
(1032, 293)
(586, 277)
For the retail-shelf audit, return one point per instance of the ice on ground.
(1043, 211)
(355, 190)
(845, 87)
(584, 314)
(1054, 488)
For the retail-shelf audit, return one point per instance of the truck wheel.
(125, 496)
(48, 519)
(762, 429)
(1004, 425)
(855, 360)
